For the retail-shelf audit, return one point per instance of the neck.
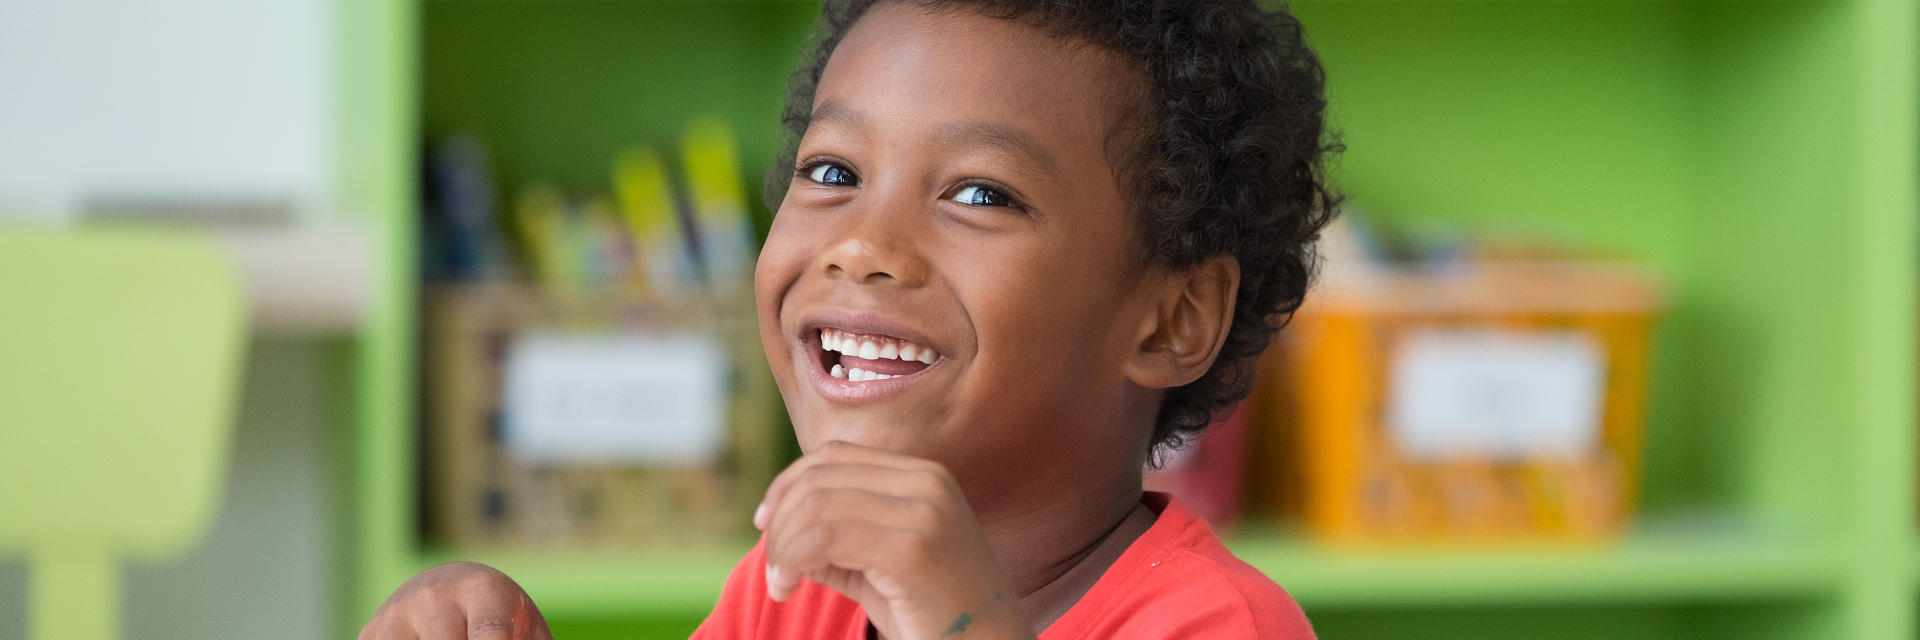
(1053, 552)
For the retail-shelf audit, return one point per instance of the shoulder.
(1179, 581)
(1216, 592)
(1212, 580)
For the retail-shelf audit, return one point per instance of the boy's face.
(957, 193)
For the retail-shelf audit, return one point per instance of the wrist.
(999, 618)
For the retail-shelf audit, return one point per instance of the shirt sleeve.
(737, 614)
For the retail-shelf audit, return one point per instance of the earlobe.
(1192, 313)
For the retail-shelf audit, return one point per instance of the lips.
(860, 358)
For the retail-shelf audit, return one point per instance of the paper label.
(1496, 394)
(645, 398)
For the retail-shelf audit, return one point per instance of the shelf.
(304, 280)
(1659, 565)
(1694, 135)
(612, 584)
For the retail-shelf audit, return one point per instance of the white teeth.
(839, 372)
(881, 376)
(883, 349)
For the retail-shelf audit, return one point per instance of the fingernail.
(759, 515)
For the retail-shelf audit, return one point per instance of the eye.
(833, 175)
(981, 197)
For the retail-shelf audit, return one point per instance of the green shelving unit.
(1760, 154)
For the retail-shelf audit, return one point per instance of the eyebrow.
(1011, 140)
(840, 114)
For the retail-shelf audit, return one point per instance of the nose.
(878, 244)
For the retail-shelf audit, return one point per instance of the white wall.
(183, 100)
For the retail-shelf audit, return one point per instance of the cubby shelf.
(1680, 566)
(1659, 565)
(1760, 155)
(612, 583)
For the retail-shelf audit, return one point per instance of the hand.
(894, 534)
(461, 600)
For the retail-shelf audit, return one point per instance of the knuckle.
(933, 481)
(822, 537)
(932, 467)
(489, 626)
(807, 476)
(904, 551)
(827, 532)
(808, 503)
(923, 516)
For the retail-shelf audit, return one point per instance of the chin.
(871, 429)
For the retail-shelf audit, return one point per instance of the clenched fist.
(894, 534)
(461, 600)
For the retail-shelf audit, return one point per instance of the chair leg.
(73, 596)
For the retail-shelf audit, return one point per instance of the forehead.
(903, 65)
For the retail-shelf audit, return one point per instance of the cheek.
(774, 273)
(1049, 315)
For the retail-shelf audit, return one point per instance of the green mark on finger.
(959, 624)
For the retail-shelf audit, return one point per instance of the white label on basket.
(1496, 394)
(650, 398)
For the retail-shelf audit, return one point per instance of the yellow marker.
(540, 218)
(647, 208)
(719, 202)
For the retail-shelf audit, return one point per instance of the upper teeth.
(876, 347)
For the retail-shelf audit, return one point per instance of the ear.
(1192, 311)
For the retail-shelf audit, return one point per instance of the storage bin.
(650, 476)
(1490, 402)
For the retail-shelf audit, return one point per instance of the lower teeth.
(857, 375)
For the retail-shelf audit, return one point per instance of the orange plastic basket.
(1376, 385)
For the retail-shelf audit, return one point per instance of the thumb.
(518, 621)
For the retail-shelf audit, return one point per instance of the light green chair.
(119, 356)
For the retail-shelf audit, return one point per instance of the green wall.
(1758, 155)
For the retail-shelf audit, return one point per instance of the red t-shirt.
(1175, 581)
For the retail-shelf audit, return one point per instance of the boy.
(1021, 246)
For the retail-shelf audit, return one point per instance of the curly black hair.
(1229, 162)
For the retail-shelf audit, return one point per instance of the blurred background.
(1615, 338)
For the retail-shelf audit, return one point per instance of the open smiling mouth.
(856, 357)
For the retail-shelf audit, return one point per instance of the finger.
(491, 627)
(540, 629)
(498, 610)
(387, 629)
(440, 622)
(899, 475)
(800, 492)
(852, 546)
(820, 511)
(836, 452)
